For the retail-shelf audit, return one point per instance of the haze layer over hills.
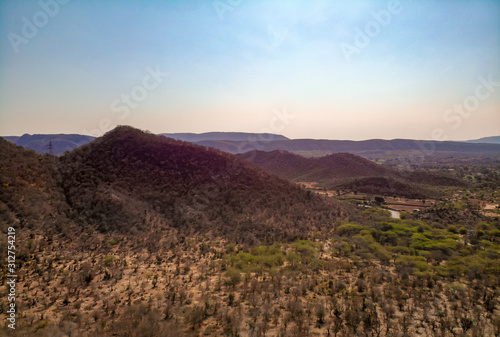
(238, 142)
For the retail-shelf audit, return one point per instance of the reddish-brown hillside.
(292, 166)
(351, 172)
(128, 178)
(30, 195)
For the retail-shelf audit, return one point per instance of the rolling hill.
(60, 142)
(128, 180)
(224, 136)
(292, 166)
(30, 192)
(350, 172)
(489, 140)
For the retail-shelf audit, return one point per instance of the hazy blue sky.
(339, 69)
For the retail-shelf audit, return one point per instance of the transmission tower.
(51, 148)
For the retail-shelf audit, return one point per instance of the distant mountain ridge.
(225, 136)
(60, 142)
(490, 140)
(240, 142)
(67, 142)
(375, 148)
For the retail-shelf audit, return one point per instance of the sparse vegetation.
(241, 261)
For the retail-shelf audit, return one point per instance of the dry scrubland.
(400, 284)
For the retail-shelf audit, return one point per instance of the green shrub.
(363, 241)
(293, 258)
(306, 249)
(401, 250)
(380, 252)
(421, 242)
(272, 260)
(109, 259)
(417, 262)
(424, 253)
(260, 258)
(41, 325)
(233, 277)
(442, 271)
(495, 233)
(260, 250)
(482, 225)
(230, 248)
(426, 275)
(388, 237)
(349, 229)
